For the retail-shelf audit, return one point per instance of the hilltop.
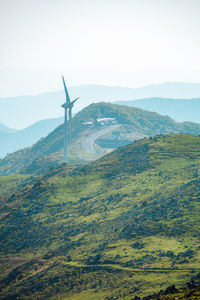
(117, 125)
(124, 225)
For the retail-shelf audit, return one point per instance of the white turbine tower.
(68, 116)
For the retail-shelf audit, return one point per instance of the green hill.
(125, 225)
(129, 124)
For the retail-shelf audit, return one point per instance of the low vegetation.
(124, 226)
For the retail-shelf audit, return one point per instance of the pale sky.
(111, 42)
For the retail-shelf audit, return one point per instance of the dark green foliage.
(191, 290)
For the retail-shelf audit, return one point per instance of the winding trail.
(88, 143)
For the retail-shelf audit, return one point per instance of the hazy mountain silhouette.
(178, 109)
(20, 112)
(4, 128)
(15, 140)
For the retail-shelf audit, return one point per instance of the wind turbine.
(68, 105)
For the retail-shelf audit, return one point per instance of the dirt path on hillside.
(88, 143)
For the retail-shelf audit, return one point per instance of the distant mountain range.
(4, 128)
(178, 109)
(12, 140)
(133, 123)
(20, 112)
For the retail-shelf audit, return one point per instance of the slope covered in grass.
(125, 225)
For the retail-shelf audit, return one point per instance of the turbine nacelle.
(69, 105)
(66, 105)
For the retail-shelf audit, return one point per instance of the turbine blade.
(66, 91)
(74, 100)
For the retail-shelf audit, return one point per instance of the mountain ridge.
(178, 109)
(4, 128)
(12, 141)
(22, 111)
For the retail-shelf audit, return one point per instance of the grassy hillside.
(124, 225)
(8, 184)
(190, 290)
(134, 123)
